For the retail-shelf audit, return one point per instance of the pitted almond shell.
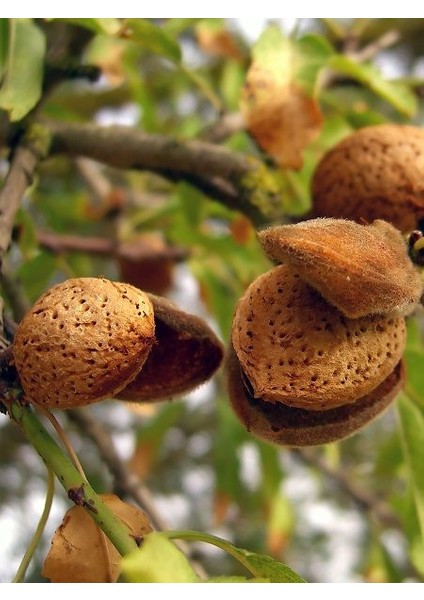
(360, 269)
(83, 341)
(375, 173)
(296, 349)
(186, 355)
(287, 426)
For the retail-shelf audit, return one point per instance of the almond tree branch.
(240, 181)
(23, 165)
(137, 251)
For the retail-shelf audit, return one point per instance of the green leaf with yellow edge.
(277, 101)
(22, 79)
(280, 524)
(399, 95)
(412, 434)
(157, 561)
(259, 565)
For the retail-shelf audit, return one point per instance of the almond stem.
(78, 490)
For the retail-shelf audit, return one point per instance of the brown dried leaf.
(241, 229)
(214, 39)
(278, 113)
(360, 269)
(152, 272)
(81, 553)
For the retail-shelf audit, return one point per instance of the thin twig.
(137, 251)
(124, 480)
(99, 186)
(223, 128)
(65, 440)
(23, 165)
(368, 52)
(363, 498)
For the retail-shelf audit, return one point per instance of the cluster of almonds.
(88, 339)
(317, 342)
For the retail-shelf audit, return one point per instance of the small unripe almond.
(83, 341)
(360, 269)
(294, 348)
(375, 173)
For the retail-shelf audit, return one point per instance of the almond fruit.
(83, 341)
(284, 425)
(294, 348)
(375, 173)
(187, 354)
(360, 269)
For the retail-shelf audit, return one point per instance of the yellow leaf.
(143, 460)
(279, 114)
(81, 553)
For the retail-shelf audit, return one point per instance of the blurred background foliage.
(345, 512)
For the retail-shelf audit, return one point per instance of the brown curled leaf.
(81, 553)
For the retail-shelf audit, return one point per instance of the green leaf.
(22, 81)
(157, 561)
(313, 53)
(106, 26)
(397, 94)
(35, 274)
(153, 38)
(260, 565)
(175, 27)
(406, 509)
(414, 359)
(296, 60)
(235, 579)
(4, 45)
(412, 435)
(226, 459)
